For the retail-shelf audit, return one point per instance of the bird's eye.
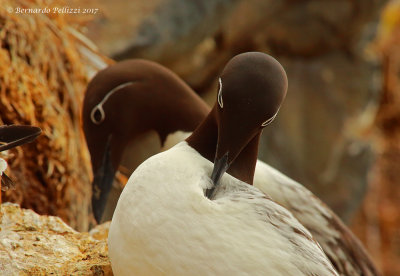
(267, 122)
(219, 97)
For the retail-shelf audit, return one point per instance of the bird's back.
(340, 245)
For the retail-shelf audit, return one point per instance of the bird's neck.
(244, 166)
(172, 121)
(204, 140)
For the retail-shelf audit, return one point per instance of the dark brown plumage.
(148, 99)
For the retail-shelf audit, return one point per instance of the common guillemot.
(124, 102)
(165, 225)
(343, 249)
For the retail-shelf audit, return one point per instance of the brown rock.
(45, 64)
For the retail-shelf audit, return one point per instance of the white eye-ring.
(219, 97)
(98, 109)
(267, 122)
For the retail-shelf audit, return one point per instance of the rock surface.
(31, 244)
(379, 219)
(42, 85)
(319, 137)
(156, 29)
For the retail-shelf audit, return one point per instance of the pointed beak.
(220, 167)
(101, 185)
(16, 135)
(231, 141)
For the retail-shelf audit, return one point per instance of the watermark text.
(59, 10)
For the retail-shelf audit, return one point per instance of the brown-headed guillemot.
(124, 102)
(343, 249)
(164, 222)
(12, 136)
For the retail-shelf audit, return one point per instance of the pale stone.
(31, 244)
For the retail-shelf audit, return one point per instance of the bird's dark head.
(126, 101)
(251, 90)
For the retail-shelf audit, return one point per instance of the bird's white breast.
(175, 138)
(164, 225)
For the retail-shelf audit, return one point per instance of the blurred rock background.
(378, 221)
(334, 90)
(338, 132)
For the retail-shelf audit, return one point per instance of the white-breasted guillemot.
(164, 224)
(343, 249)
(123, 103)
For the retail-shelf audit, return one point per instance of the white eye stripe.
(267, 122)
(219, 97)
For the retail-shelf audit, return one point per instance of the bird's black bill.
(6, 183)
(101, 185)
(16, 135)
(220, 167)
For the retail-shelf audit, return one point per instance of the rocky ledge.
(31, 244)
